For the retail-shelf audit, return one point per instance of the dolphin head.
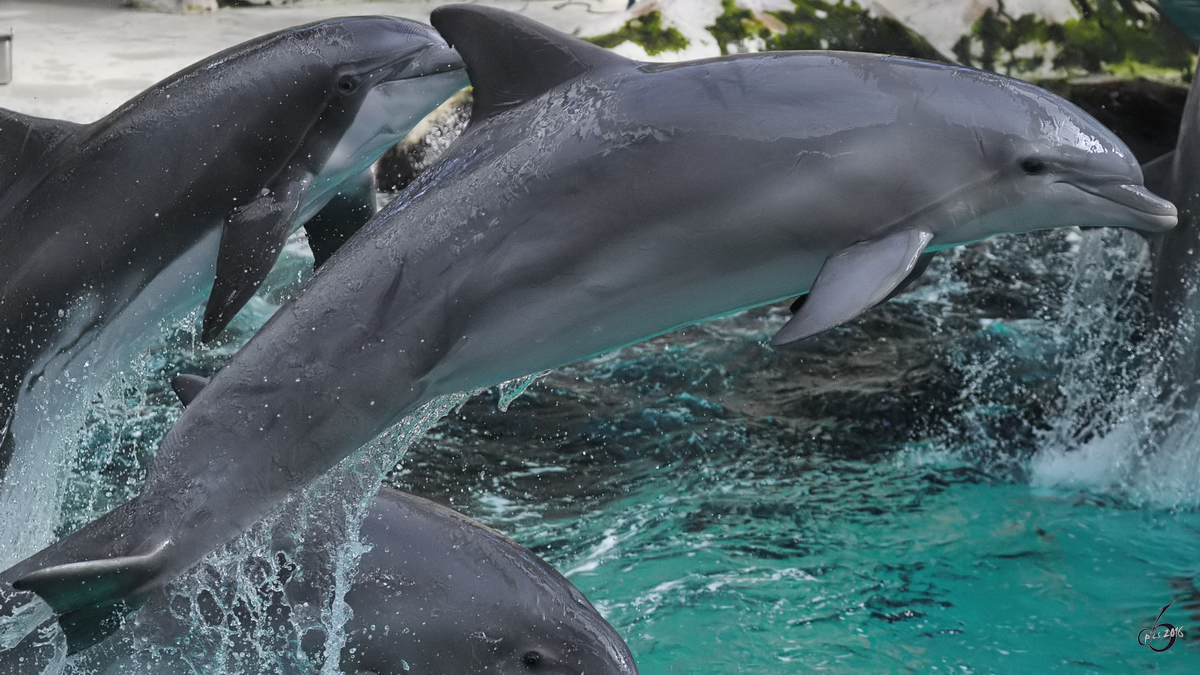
(441, 593)
(568, 637)
(389, 74)
(511, 615)
(1041, 163)
(405, 70)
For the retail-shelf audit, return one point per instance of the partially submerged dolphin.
(595, 201)
(251, 142)
(436, 593)
(482, 602)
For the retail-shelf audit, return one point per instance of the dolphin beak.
(431, 61)
(1151, 212)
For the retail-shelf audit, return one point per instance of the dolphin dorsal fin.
(23, 139)
(512, 59)
(1159, 174)
(187, 387)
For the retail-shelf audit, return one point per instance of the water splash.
(512, 389)
(272, 601)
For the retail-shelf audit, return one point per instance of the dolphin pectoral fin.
(918, 269)
(512, 59)
(187, 387)
(1158, 174)
(251, 240)
(344, 215)
(92, 596)
(854, 280)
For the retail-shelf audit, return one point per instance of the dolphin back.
(23, 140)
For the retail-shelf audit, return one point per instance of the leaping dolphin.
(1175, 291)
(592, 202)
(251, 142)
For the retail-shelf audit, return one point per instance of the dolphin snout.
(1151, 213)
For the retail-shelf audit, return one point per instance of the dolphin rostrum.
(436, 592)
(592, 202)
(250, 142)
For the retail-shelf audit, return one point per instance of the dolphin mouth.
(433, 60)
(1154, 214)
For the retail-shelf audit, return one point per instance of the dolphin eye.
(531, 659)
(347, 84)
(1033, 166)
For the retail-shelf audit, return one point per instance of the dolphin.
(436, 592)
(594, 201)
(485, 604)
(1175, 302)
(250, 143)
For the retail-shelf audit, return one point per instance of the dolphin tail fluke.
(92, 596)
(854, 280)
(89, 626)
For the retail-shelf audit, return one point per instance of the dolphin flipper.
(253, 236)
(24, 139)
(854, 280)
(344, 215)
(917, 271)
(92, 596)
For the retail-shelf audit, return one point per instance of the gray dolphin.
(485, 603)
(592, 202)
(251, 142)
(437, 592)
(1176, 267)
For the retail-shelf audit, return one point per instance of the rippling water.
(953, 483)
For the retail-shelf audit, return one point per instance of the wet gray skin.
(1176, 268)
(593, 202)
(482, 603)
(437, 593)
(254, 140)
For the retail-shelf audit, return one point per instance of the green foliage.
(735, 26)
(821, 25)
(646, 31)
(1111, 36)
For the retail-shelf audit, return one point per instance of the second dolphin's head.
(1039, 163)
(392, 72)
(440, 593)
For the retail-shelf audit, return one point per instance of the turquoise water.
(947, 485)
(852, 568)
